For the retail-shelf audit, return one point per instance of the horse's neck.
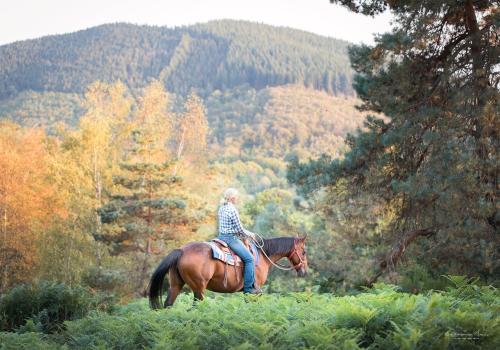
(274, 258)
(265, 265)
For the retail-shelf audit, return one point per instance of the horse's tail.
(156, 284)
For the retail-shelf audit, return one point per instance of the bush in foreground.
(48, 305)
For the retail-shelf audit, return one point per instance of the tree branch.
(394, 255)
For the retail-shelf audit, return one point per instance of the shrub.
(28, 341)
(416, 278)
(48, 304)
(108, 280)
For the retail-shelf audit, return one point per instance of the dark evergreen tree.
(141, 215)
(434, 162)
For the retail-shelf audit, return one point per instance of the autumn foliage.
(52, 185)
(28, 201)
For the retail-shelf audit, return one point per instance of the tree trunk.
(180, 149)
(5, 265)
(486, 137)
(98, 203)
(394, 255)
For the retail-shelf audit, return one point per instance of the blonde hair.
(228, 194)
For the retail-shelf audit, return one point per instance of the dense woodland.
(205, 57)
(117, 141)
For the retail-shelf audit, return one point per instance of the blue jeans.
(248, 261)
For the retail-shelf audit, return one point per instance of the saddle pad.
(227, 257)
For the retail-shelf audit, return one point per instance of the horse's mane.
(278, 245)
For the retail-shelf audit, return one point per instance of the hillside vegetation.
(34, 109)
(215, 55)
(270, 122)
(276, 121)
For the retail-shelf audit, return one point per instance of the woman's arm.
(235, 218)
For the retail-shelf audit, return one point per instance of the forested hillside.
(271, 122)
(34, 109)
(276, 121)
(215, 55)
(268, 91)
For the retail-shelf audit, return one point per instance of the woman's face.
(233, 199)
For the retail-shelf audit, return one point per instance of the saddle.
(222, 252)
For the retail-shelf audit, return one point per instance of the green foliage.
(379, 318)
(434, 162)
(464, 288)
(27, 341)
(48, 304)
(106, 280)
(215, 55)
(416, 278)
(34, 109)
(276, 121)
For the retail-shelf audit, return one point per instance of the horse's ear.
(303, 239)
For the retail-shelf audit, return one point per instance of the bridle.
(294, 251)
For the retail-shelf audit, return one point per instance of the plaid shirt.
(229, 220)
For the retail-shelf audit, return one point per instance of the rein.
(281, 267)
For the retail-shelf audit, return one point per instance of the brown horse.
(193, 264)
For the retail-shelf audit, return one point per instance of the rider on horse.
(232, 232)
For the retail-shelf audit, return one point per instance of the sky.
(28, 19)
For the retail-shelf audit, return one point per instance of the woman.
(232, 232)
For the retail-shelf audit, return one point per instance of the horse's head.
(298, 256)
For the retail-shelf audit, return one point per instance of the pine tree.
(434, 162)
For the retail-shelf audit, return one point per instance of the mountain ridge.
(183, 26)
(223, 54)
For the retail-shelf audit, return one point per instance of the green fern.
(379, 318)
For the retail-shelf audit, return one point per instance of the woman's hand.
(250, 234)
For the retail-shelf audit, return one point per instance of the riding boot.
(254, 291)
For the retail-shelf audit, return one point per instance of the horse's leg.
(197, 268)
(198, 288)
(198, 284)
(198, 295)
(176, 283)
